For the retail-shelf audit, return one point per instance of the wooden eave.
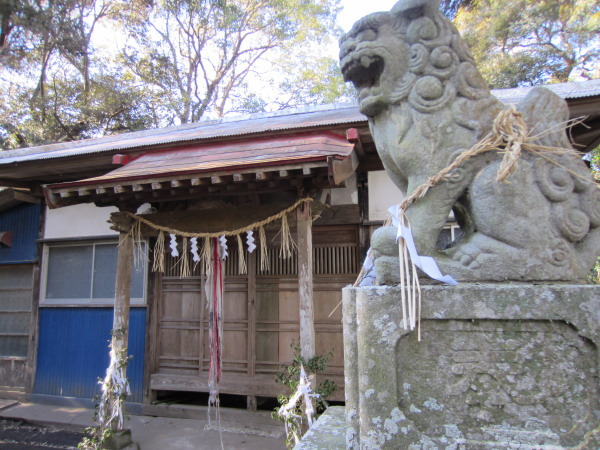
(291, 169)
(10, 198)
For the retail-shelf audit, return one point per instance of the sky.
(355, 9)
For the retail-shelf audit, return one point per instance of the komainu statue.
(427, 103)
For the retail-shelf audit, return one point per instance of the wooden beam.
(353, 136)
(305, 281)
(157, 186)
(176, 184)
(66, 194)
(306, 171)
(216, 180)
(263, 176)
(240, 177)
(341, 169)
(101, 191)
(251, 337)
(284, 174)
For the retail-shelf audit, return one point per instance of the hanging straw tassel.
(264, 256)
(159, 253)
(242, 269)
(184, 264)
(286, 239)
(139, 254)
(206, 254)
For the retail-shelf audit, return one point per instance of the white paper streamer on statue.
(223, 243)
(426, 263)
(173, 245)
(250, 241)
(194, 249)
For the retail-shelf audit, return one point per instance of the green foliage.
(95, 437)
(290, 377)
(594, 159)
(177, 61)
(594, 275)
(201, 57)
(318, 82)
(526, 42)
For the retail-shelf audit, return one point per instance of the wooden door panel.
(260, 312)
(179, 326)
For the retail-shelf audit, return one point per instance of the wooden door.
(261, 318)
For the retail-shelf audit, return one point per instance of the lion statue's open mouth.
(364, 72)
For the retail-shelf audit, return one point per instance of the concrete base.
(498, 366)
(121, 440)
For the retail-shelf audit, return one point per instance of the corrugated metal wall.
(73, 351)
(24, 222)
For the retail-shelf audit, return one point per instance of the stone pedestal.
(498, 366)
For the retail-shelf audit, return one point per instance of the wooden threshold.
(258, 385)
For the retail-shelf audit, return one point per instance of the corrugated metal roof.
(239, 126)
(325, 115)
(572, 90)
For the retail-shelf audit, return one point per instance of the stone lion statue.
(427, 103)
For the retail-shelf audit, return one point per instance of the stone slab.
(327, 433)
(7, 404)
(498, 366)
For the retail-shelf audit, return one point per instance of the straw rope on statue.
(509, 136)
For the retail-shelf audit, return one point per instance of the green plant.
(293, 411)
(594, 276)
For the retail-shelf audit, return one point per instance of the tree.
(202, 56)
(181, 60)
(526, 42)
(58, 89)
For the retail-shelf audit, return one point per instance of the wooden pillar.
(120, 330)
(305, 281)
(123, 291)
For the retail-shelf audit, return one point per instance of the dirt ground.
(20, 435)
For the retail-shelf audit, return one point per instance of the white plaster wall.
(78, 221)
(383, 193)
(348, 195)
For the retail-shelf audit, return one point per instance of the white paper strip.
(223, 242)
(426, 263)
(173, 245)
(250, 241)
(194, 249)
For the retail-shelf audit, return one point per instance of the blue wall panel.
(73, 351)
(24, 222)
